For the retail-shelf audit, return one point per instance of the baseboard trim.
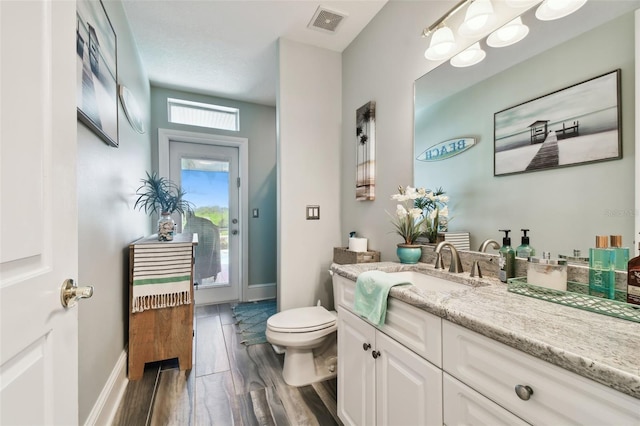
(106, 407)
(256, 292)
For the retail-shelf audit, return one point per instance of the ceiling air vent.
(326, 20)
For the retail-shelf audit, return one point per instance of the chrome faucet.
(475, 266)
(456, 265)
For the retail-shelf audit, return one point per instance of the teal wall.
(564, 208)
(258, 124)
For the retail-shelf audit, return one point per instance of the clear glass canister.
(549, 273)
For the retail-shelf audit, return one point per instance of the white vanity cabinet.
(381, 382)
(547, 394)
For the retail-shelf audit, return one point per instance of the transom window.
(203, 115)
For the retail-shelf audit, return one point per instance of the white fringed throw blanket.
(161, 275)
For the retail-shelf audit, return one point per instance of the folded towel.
(372, 289)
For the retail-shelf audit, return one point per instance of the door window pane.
(206, 183)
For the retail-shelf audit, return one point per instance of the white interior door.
(209, 176)
(38, 213)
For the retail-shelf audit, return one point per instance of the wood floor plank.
(211, 352)
(244, 370)
(206, 310)
(301, 407)
(216, 402)
(262, 408)
(174, 401)
(138, 398)
(278, 413)
(328, 392)
(226, 315)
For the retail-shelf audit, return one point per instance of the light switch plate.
(313, 212)
(256, 213)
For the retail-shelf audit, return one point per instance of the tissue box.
(344, 256)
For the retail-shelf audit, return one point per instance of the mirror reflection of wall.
(563, 207)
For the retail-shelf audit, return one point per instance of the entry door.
(38, 226)
(209, 176)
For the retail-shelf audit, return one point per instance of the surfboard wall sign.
(446, 149)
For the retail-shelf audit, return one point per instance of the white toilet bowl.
(310, 340)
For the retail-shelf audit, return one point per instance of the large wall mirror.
(564, 207)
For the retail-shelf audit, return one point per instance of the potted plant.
(419, 212)
(161, 196)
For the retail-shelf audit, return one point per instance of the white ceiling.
(228, 48)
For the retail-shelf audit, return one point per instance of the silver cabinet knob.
(524, 392)
(70, 293)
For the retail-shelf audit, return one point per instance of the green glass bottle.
(602, 279)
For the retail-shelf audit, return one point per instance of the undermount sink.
(428, 282)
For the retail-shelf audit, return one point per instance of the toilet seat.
(302, 320)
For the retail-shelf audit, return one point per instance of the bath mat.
(251, 319)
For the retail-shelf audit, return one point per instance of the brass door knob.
(70, 293)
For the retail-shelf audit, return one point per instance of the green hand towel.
(372, 289)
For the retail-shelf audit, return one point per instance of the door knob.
(234, 232)
(70, 293)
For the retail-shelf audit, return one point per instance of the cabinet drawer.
(464, 406)
(559, 396)
(412, 327)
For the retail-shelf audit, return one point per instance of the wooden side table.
(158, 334)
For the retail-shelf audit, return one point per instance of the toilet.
(309, 339)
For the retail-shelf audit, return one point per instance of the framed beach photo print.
(96, 55)
(576, 125)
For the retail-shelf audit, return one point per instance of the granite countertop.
(599, 347)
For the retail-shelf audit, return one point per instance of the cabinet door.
(409, 388)
(356, 370)
(464, 406)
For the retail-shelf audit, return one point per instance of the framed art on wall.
(576, 125)
(366, 151)
(97, 88)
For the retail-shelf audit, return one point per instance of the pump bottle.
(507, 259)
(524, 249)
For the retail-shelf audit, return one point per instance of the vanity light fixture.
(442, 44)
(478, 17)
(521, 3)
(469, 56)
(509, 34)
(556, 9)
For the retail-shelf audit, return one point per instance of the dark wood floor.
(230, 384)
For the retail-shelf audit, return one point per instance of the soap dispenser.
(524, 249)
(507, 260)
